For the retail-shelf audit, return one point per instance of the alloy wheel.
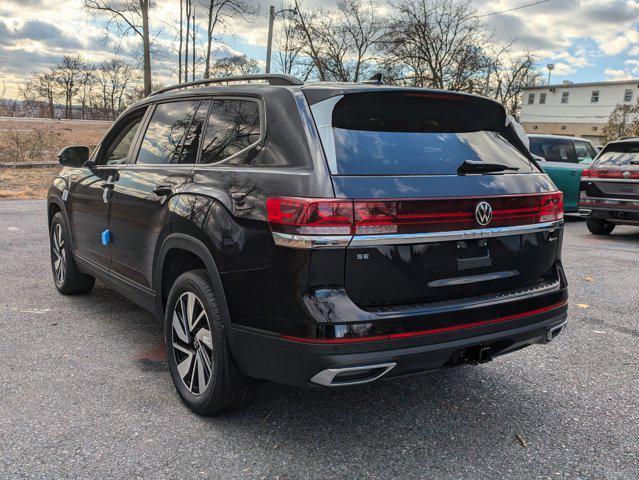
(192, 343)
(59, 254)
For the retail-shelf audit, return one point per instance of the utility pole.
(269, 45)
(271, 20)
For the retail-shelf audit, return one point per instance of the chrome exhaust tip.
(342, 377)
(552, 333)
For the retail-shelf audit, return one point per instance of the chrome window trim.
(329, 241)
(198, 166)
(432, 237)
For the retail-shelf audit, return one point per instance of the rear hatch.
(613, 178)
(445, 206)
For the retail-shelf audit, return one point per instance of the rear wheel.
(199, 359)
(600, 227)
(68, 279)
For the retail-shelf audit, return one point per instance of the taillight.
(552, 207)
(319, 216)
(310, 216)
(587, 173)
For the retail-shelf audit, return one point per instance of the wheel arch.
(194, 247)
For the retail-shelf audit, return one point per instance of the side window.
(559, 151)
(118, 149)
(163, 138)
(585, 152)
(232, 126)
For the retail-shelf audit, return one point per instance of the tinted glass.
(554, 149)
(584, 151)
(417, 134)
(232, 126)
(623, 154)
(167, 128)
(397, 153)
(194, 135)
(118, 151)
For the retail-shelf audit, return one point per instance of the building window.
(627, 96)
(542, 99)
(531, 98)
(594, 96)
(564, 97)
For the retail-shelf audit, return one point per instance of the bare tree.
(306, 23)
(237, 65)
(288, 47)
(68, 76)
(341, 43)
(439, 43)
(115, 82)
(219, 12)
(129, 16)
(508, 77)
(44, 86)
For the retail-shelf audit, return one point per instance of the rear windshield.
(418, 134)
(620, 154)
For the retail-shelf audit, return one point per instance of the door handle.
(573, 173)
(239, 198)
(163, 190)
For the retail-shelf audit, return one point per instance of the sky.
(586, 40)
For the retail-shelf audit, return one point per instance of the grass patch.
(26, 183)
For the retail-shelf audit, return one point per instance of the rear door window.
(413, 134)
(165, 133)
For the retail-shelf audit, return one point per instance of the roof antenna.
(374, 80)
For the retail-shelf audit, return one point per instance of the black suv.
(609, 193)
(314, 234)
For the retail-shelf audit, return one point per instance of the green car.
(563, 159)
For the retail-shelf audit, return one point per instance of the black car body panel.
(293, 304)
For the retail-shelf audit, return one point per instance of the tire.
(66, 276)
(599, 227)
(191, 351)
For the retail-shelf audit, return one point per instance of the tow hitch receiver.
(477, 355)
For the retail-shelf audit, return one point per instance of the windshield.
(618, 155)
(414, 133)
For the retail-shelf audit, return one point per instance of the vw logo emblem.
(626, 174)
(483, 213)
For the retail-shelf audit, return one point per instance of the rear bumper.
(271, 357)
(613, 211)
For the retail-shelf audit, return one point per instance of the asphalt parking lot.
(86, 392)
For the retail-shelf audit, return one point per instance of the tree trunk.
(146, 44)
(194, 34)
(209, 40)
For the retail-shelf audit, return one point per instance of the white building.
(574, 109)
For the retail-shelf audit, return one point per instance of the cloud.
(616, 74)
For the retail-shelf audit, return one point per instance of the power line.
(512, 9)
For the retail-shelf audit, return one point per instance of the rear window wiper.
(472, 166)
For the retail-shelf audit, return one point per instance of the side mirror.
(73, 156)
(538, 158)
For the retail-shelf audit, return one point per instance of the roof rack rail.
(271, 78)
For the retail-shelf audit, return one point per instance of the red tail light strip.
(432, 331)
(316, 216)
(610, 174)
